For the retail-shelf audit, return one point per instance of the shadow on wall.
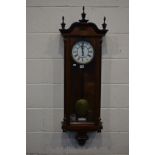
(67, 139)
(54, 47)
(61, 46)
(97, 143)
(104, 46)
(95, 140)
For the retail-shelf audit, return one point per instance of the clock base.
(82, 129)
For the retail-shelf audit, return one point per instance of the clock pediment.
(83, 28)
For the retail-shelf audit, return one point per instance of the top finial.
(83, 9)
(63, 19)
(104, 19)
(83, 14)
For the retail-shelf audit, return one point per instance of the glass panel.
(83, 94)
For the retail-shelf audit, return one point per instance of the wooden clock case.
(82, 82)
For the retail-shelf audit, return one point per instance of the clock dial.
(82, 52)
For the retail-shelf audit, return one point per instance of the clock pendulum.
(82, 77)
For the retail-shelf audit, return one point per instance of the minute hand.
(82, 50)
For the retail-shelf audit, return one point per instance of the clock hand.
(82, 49)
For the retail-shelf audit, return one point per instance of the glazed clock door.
(83, 81)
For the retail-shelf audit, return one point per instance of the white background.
(13, 77)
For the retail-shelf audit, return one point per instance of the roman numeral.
(75, 55)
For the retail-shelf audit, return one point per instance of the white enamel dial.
(82, 52)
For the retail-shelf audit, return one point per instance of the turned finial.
(104, 25)
(83, 15)
(83, 8)
(63, 23)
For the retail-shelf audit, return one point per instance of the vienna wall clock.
(82, 77)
